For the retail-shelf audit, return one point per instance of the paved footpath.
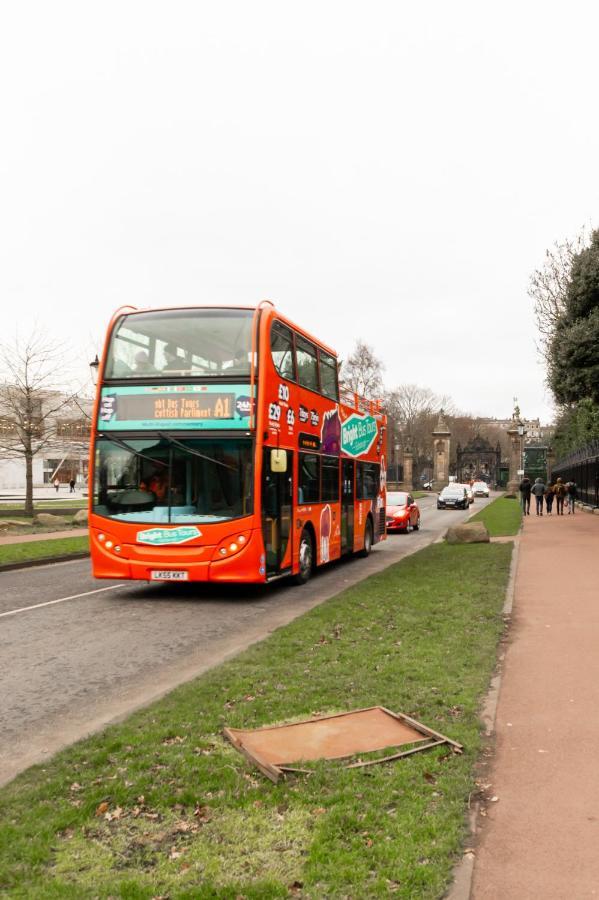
(541, 838)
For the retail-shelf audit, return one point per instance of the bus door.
(277, 487)
(347, 505)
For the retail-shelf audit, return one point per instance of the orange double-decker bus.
(223, 451)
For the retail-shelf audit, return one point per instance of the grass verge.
(46, 549)
(162, 805)
(502, 517)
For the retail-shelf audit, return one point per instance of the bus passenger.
(143, 364)
(173, 360)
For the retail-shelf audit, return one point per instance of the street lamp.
(94, 367)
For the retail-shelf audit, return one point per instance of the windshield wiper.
(187, 449)
(121, 443)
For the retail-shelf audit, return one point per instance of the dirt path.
(539, 839)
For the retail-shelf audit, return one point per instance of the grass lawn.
(46, 549)
(501, 517)
(162, 805)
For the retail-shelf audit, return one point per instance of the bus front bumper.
(192, 563)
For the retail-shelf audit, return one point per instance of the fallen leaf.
(110, 816)
(102, 808)
(177, 739)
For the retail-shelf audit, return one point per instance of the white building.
(64, 440)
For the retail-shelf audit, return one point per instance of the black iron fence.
(582, 467)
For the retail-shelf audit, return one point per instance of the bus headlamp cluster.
(231, 545)
(107, 541)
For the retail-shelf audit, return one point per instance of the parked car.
(402, 512)
(454, 496)
(481, 489)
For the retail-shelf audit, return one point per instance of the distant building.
(535, 432)
(65, 452)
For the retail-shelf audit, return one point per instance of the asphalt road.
(77, 653)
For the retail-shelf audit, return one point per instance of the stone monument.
(515, 434)
(441, 436)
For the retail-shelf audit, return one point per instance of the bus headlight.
(107, 542)
(231, 545)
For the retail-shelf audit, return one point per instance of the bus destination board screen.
(184, 407)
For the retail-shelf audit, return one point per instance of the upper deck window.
(281, 346)
(307, 364)
(328, 376)
(171, 343)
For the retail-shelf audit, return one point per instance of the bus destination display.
(186, 407)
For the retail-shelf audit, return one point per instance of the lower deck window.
(308, 487)
(368, 481)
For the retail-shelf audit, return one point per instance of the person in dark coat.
(525, 489)
(549, 498)
(572, 496)
(538, 489)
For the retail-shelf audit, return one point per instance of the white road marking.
(13, 612)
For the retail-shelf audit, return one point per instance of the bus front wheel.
(306, 558)
(365, 551)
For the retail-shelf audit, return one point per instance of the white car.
(469, 492)
(481, 489)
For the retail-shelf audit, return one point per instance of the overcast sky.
(385, 170)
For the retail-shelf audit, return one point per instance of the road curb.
(463, 873)
(42, 561)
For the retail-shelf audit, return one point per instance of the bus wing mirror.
(278, 460)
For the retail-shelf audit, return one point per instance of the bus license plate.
(169, 575)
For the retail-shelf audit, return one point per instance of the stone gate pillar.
(408, 469)
(441, 436)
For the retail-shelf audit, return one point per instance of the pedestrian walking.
(525, 489)
(572, 496)
(72, 486)
(559, 492)
(538, 489)
(549, 498)
(56, 484)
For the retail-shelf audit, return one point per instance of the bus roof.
(132, 310)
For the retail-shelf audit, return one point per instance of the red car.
(402, 512)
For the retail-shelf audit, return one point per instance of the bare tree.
(32, 397)
(548, 286)
(412, 413)
(362, 372)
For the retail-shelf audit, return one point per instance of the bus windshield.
(181, 343)
(160, 480)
